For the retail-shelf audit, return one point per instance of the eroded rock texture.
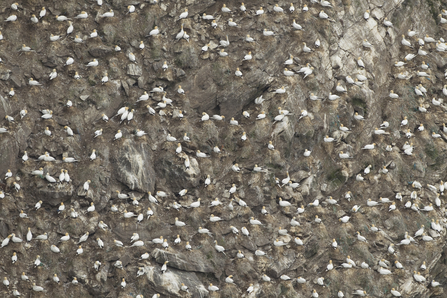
(346, 50)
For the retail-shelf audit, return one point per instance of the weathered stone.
(99, 51)
(134, 70)
(133, 166)
(194, 261)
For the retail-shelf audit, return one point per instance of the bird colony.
(198, 149)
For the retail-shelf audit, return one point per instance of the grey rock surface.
(148, 166)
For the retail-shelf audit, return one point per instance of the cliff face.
(136, 165)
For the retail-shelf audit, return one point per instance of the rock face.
(347, 89)
(133, 165)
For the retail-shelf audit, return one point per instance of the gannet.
(334, 244)
(398, 265)
(61, 207)
(14, 257)
(118, 264)
(369, 146)
(422, 109)
(340, 88)
(47, 131)
(108, 14)
(383, 271)
(285, 277)
(421, 52)
(306, 49)
(248, 38)
(155, 31)
(219, 248)
(34, 19)
(387, 23)
(207, 17)
(69, 104)
(434, 284)
(399, 63)
(77, 39)
(201, 154)
(82, 15)
(32, 82)
(225, 42)
(93, 63)
(307, 71)
(102, 225)
(179, 223)
(55, 249)
(418, 277)
(184, 14)
(366, 14)
(37, 288)
(366, 43)
(69, 61)
(323, 15)
(130, 9)
(118, 243)
(241, 202)
(265, 212)
(83, 237)
(44, 236)
(215, 218)
(222, 53)
(38, 204)
(296, 26)
(238, 73)
(118, 135)
(24, 277)
(284, 203)
(344, 155)
(236, 231)
(68, 130)
(333, 96)
(426, 238)
(278, 243)
(11, 18)
(138, 243)
(21, 215)
(409, 57)
(360, 62)
(37, 261)
(260, 11)
(294, 185)
(240, 255)
(330, 266)
(235, 168)
(91, 208)
(436, 102)
(212, 288)
(267, 32)
(270, 146)
(231, 23)
(344, 219)
(427, 38)
(61, 18)
(66, 176)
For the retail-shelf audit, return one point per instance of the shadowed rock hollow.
(344, 72)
